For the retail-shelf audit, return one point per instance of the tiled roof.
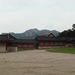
(44, 38)
(23, 41)
(4, 37)
(71, 39)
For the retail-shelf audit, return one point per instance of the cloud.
(21, 15)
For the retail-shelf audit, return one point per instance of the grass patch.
(67, 50)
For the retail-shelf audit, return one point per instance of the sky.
(20, 15)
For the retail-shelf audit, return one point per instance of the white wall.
(51, 47)
(12, 49)
(2, 48)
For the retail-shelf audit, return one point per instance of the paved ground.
(37, 62)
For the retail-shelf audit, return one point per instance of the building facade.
(10, 43)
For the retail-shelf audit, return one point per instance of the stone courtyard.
(37, 62)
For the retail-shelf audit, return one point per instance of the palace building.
(49, 41)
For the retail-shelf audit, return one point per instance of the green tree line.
(67, 33)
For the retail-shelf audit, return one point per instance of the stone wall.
(11, 49)
(51, 47)
(70, 46)
(25, 49)
(2, 48)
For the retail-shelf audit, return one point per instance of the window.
(41, 44)
(19, 45)
(51, 43)
(56, 43)
(1, 43)
(46, 43)
(30, 45)
(61, 43)
(24, 45)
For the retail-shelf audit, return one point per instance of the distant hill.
(32, 33)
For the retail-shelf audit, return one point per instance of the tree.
(67, 33)
(73, 27)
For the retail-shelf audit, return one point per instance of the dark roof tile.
(4, 37)
(23, 41)
(44, 38)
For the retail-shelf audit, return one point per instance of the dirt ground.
(37, 62)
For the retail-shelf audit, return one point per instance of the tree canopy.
(67, 33)
(73, 27)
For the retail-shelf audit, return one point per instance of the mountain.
(32, 33)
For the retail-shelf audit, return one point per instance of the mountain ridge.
(32, 33)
